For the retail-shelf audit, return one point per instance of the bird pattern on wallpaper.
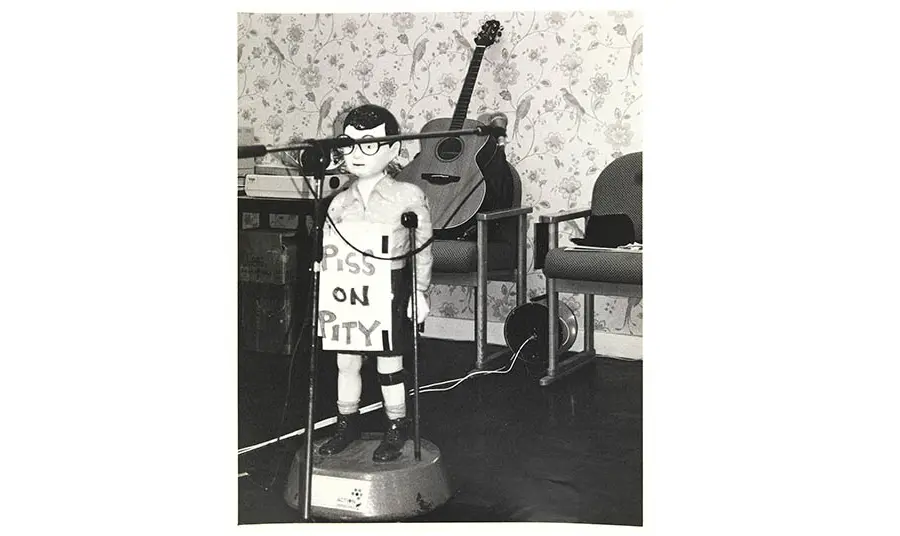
(418, 54)
(521, 111)
(577, 109)
(569, 83)
(324, 110)
(637, 47)
(464, 44)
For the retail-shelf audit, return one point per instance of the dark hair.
(370, 116)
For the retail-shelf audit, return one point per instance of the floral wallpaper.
(569, 82)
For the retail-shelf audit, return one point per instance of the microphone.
(251, 151)
(498, 123)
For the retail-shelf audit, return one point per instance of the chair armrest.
(503, 213)
(546, 229)
(564, 216)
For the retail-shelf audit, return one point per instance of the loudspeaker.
(532, 319)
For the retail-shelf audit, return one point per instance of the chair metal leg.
(569, 366)
(481, 298)
(556, 368)
(481, 359)
(521, 269)
(552, 329)
(589, 323)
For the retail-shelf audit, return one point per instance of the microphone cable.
(413, 250)
(430, 388)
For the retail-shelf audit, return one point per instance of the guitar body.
(449, 171)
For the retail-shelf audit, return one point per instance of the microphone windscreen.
(251, 151)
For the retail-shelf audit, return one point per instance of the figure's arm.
(423, 234)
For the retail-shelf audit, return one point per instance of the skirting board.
(608, 344)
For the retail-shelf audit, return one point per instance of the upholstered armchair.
(600, 271)
(497, 254)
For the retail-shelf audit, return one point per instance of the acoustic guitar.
(450, 170)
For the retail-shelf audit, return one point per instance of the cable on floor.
(430, 388)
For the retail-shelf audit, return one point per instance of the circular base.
(351, 486)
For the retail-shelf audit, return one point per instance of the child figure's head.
(370, 159)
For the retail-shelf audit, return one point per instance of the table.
(264, 206)
(267, 332)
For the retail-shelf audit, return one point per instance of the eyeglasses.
(367, 149)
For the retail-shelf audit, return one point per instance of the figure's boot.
(395, 437)
(347, 432)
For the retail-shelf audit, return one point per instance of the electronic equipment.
(292, 187)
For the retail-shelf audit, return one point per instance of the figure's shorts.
(402, 331)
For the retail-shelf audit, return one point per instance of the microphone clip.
(493, 130)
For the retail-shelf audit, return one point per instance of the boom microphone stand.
(321, 148)
(497, 128)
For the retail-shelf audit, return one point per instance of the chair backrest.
(619, 190)
(517, 187)
(506, 230)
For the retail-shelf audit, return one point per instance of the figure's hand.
(421, 304)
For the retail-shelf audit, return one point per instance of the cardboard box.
(267, 256)
(272, 290)
(269, 317)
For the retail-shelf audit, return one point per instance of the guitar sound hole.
(449, 149)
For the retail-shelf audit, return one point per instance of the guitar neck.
(465, 96)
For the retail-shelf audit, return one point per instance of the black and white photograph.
(429, 308)
(441, 223)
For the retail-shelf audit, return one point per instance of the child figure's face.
(369, 165)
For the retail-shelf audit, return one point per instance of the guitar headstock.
(490, 32)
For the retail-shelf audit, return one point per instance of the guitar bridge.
(439, 179)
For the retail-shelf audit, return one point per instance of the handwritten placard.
(355, 290)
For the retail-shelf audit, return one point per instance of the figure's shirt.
(388, 201)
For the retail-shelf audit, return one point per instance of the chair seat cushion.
(461, 256)
(604, 266)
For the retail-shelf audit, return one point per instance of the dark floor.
(515, 451)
